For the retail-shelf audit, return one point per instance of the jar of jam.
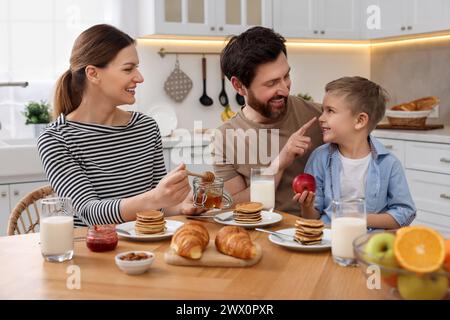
(102, 238)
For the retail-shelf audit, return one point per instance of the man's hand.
(297, 145)
(187, 206)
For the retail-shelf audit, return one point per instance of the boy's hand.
(306, 199)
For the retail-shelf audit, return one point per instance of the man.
(256, 64)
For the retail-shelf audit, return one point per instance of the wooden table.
(281, 274)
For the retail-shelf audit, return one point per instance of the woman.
(109, 161)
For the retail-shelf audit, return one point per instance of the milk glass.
(262, 187)
(348, 221)
(56, 229)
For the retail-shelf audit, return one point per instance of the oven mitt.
(178, 84)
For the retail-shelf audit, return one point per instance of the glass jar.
(210, 195)
(102, 238)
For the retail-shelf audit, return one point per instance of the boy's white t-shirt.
(353, 177)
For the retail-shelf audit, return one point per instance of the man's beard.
(265, 109)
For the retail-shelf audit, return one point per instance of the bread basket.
(412, 114)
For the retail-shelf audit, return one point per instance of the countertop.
(281, 274)
(436, 135)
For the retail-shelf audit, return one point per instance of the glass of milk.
(348, 221)
(262, 187)
(56, 229)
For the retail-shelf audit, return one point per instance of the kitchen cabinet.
(10, 195)
(202, 17)
(404, 17)
(4, 208)
(322, 19)
(431, 193)
(427, 169)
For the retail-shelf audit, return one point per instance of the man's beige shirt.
(246, 149)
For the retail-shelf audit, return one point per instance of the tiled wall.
(413, 70)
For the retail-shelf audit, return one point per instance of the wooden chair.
(21, 219)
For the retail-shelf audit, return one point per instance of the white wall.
(312, 68)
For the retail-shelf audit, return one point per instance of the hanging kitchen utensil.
(204, 99)
(240, 99)
(178, 84)
(223, 98)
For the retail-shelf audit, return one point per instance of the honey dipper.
(207, 176)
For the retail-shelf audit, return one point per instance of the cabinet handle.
(16, 192)
(315, 32)
(403, 28)
(322, 32)
(3, 194)
(445, 196)
(445, 160)
(220, 28)
(409, 28)
(389, 146)
(212, 28)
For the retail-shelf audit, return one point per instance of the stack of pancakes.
(308, 231)
(150, 222)
(248, 212)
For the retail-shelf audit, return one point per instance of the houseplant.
(38, 115)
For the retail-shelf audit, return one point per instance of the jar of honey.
(102, 238)
(210, 195)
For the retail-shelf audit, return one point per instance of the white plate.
(268, 218)
(294, 245)
(166, 118)
(171, 225)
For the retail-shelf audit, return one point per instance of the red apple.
(303, 182)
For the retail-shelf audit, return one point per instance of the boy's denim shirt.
(386, 186)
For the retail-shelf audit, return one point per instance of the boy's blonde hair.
(363, 95)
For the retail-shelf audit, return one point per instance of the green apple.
(380, 250)
(422, 287)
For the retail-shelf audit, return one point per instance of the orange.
(419, 249)
(447, 255)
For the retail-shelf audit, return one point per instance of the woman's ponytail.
(65, 101)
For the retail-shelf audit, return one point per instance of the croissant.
(235, 242)
(190, 240)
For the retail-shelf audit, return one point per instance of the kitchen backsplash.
(412, 70)
(312, 68)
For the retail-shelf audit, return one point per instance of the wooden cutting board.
(212, 258)
(426, 127)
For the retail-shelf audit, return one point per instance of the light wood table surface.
(281, 274)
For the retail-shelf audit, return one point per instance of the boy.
(352, 164)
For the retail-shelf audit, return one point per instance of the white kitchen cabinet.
(10, 195)
(166, 154)
(404, 17)
(431, 157)
(202, 17)
(428, 174)
(322, 19)
(4, 208)
(431, 193)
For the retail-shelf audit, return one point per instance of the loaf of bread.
(426, 103)
(235, 242)
(190, 240)
(421, 104)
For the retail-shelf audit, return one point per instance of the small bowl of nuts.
(135, 262)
